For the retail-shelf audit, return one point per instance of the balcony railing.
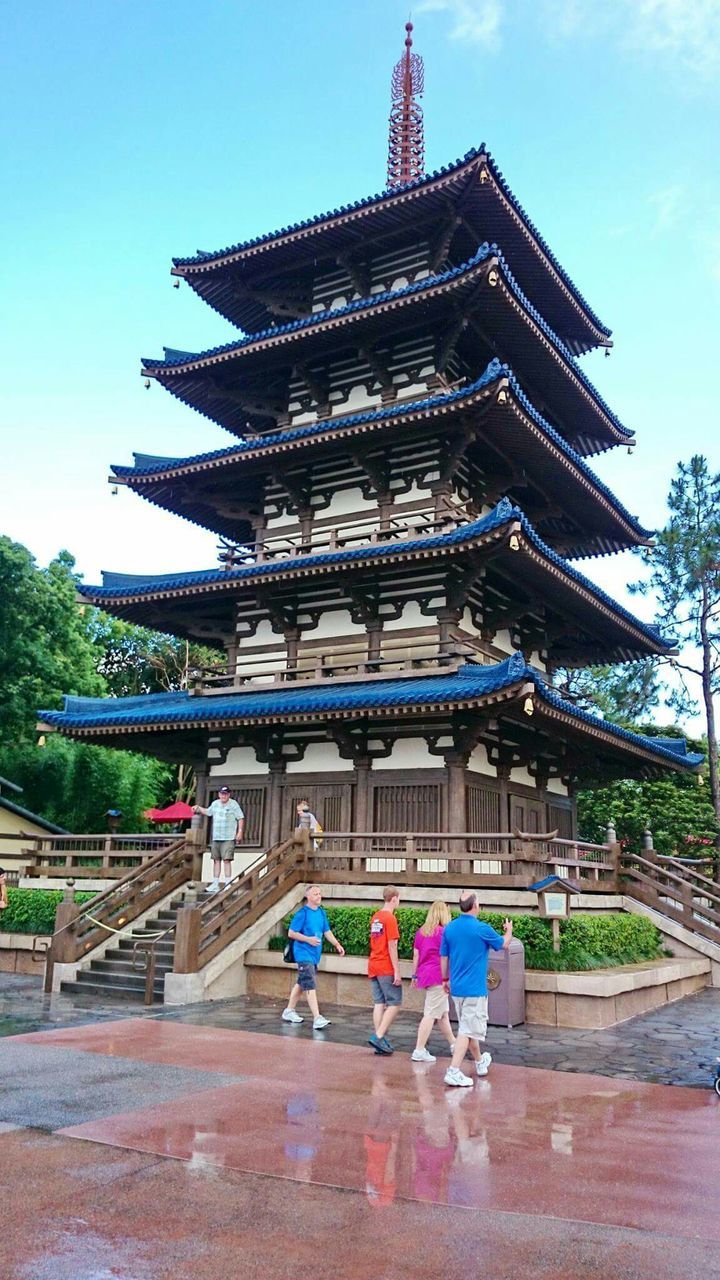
(103, 856)
(403, 656)
(352, 531)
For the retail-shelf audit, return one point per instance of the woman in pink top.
(428, 976)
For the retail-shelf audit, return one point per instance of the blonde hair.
(439, 914)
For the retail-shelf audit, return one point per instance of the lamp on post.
(553, 895)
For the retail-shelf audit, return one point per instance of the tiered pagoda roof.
(513, 688)
(483, 285)
(592, 520)
(460, 204)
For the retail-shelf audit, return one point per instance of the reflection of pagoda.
(407, 479)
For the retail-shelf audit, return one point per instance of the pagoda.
(399, 513)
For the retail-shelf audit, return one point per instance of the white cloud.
(683, 34)
(669, 205)
(472, 21)
(687, 31)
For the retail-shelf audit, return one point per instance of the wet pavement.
(216, 1141)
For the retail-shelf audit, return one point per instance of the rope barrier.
(109, 928)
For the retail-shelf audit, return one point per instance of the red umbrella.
(174, 813)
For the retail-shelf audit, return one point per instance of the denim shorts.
(384, 990)
(306, 975)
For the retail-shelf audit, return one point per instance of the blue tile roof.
(149, 464)
(473, 154)
(176, 359)
(129, 586)
(470, 683)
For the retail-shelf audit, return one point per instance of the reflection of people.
(384, 969)
(464, 949)
(433, 1146)
(307, 929)
(301, 1114)
(3, 890)
(428, 977)
(228, 825)
(381, 1144)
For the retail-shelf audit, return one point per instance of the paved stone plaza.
(216, 1141)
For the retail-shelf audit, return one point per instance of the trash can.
(506, 986)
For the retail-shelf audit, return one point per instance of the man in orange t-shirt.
(384, 969)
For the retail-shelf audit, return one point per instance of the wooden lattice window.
(560, 819)
(407, 807)
(483, 812)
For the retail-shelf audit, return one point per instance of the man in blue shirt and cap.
(466, 943)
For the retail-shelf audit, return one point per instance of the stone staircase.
(113, 976)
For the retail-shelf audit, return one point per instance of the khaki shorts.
(436, 1002)
(472, 1012)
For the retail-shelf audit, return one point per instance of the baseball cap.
(224, 791)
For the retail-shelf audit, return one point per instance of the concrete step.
(101, 990)
(117, 966)
(134, 981)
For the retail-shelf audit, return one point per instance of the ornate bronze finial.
(406, 150)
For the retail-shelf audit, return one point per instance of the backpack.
(289, 948)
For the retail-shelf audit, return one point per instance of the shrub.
(586, 941)
(33, 910)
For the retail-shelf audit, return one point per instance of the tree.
(134, 660)
(684, 577)
(624, 694)
(45, 648)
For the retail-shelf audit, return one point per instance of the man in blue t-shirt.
(464, 949)
(307, 929)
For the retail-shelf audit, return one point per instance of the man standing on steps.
(307, 929)
(384, 969)
(464, 949)
(228, 825)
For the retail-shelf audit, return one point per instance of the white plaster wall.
(467, 624)
(557, 787)
(359, 399)
(521, 775)
(320, 757)
(502, 641)
(349, 502)
(410, 617)
(479, 763)
(335, 622)
(411, 753)
(240, 760)
(536, 661)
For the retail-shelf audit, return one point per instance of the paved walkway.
(677, 1044)
(216, 1141)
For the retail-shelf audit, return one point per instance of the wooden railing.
(401, 655)
(674, 889)
(501, 859)
(353, 531)
(202, 932)
(101, 856)
(79, 929)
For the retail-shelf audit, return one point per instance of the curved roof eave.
(125, 587)
(358, 208)
(469, 685)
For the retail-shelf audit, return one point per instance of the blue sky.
(134, 131)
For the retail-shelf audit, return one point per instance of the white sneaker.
(422, 1055)
(319, 1023)
(214, 886)
(482, 1064)
(289, 1015)
(455, 1076)
(225, 883)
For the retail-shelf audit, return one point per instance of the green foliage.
(45, 648)
(33, 910)
(677, 810)
(586, 941)
(135, 660)
(624, 694)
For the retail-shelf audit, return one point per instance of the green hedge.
(33, 910)
(586, 941)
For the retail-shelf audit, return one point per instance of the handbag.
(289, 948)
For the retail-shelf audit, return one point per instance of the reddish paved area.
(277, 1157)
